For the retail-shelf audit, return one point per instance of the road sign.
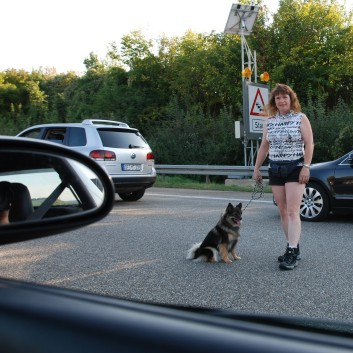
(255, 99)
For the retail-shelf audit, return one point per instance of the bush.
(328, 125)
(344, 143)
(195, 138)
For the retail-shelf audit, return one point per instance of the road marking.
(207, 198)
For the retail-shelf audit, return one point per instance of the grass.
(181, 182)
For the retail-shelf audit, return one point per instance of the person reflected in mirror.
(5, 201)
(288, 142)
(15, 202)
(4, 217)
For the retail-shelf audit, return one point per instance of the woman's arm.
(308, 139)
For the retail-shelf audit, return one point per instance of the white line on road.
(206, 197)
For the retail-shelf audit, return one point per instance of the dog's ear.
(230, 206)
(239, 205)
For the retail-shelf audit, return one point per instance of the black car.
(330, 189)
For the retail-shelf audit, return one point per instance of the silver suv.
(120, 149)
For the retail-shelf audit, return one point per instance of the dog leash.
(258, 189)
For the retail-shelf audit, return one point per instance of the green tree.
(311, 39)
(93, 63)
(194, 138)
(83, 92)
(344, 143)
(21, 99)
(57, 89)
(205, 70)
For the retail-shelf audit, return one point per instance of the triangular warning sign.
(258, 104)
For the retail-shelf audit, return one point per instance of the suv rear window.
(121, 138)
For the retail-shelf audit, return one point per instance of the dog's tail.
(192, 252)
(204, 254)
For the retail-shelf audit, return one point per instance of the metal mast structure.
(241, 21)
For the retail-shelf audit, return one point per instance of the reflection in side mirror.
(46, 184)
(45, 187)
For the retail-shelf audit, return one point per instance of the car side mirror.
(46, 189)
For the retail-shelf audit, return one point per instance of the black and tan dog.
(221, 240)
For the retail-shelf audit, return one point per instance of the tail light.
(150, 156)
(101, 155)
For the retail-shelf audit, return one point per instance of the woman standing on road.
(288, 140)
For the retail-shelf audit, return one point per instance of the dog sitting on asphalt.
(220, 240)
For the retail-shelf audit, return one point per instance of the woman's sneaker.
(297, 251)
(290, 260)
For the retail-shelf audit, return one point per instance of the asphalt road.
(138, 252)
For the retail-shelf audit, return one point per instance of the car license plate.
(131, 167)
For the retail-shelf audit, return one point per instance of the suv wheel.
(132, 196)
(315, 203)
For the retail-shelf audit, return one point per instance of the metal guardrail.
(233, 172)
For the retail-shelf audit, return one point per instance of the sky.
(60, 34)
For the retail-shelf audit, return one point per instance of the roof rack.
(104, 122)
